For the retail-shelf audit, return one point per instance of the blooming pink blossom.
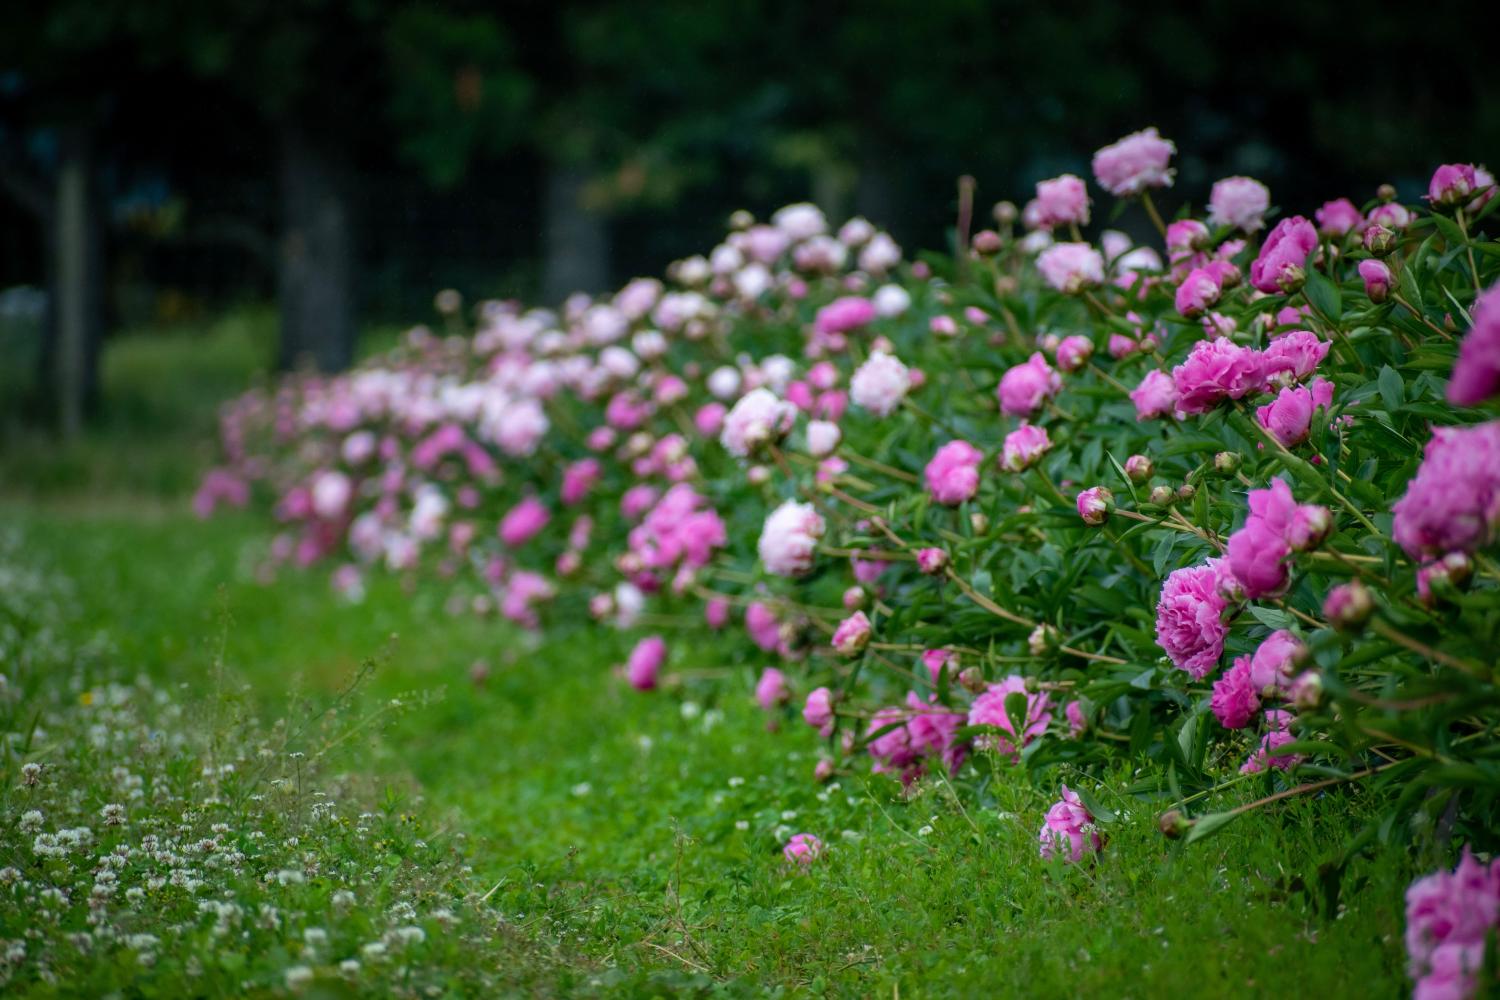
(1452, 184)
(953, 474)
(1392, 215)
(1188, 624)
(1275, 659)
(1062, 200)
(1074, 352)
(1156, 396)
(645, 662)
(1453, 502)
(758, 419)
(716, 612)
(989, 709)
(578, 478)
(523, 521)
(818, 711)
(936, 660)
(1239, 202)
(1376, 275)
(1338, 218)
(1186, 237)
(771, 690)
(1078, 720)
(1292, 356)
(803, 849)
(1068, 830)
(1215, 370)
(1198, 292)
(1449, 917)
(1236, 700)
(933, 730)
(764, 628)
(891, 745)
(1024, 447)
(1276, 527)
(1071, 267)
(1278, 268)
(1476, 373)
(1094, 504)
(852, 634)
(1025, 387)
(1278, 735)
(844, 314)
(789, 539)
(1135, 163)
(880, 383)
(1288, 417)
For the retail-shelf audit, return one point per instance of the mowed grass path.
(638, 837)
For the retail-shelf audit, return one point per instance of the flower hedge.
(1225, 506)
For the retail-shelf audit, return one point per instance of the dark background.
(348, 159)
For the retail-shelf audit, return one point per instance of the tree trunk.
(316, 268)
(575, 241)
(77, 292)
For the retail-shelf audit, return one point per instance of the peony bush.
(1224, 504)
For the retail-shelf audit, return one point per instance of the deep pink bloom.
(1023, 447)
(1453, 502)
(578, 479)
(802, 849)
(1185, 237)
(1132, 164)
(220, 486)
(1215, 370)
(1239, 202)
(1452, 184)
(1275, 659)
(1265, 756)
(1338, 218)
(716, 612)
(681, 530)
(989, 710)
(1476, 373)
(844, 314)
(709, 419)
(933, 729)
(771, 689)
(1077, 720)
(761, 623)
(645, 662)
(1156, 396)
(1285, 249)
(891, 745)
(1376, 275)
(1068, 829)
(953, 474)
(637, 500)
(852, 634)
(1074, 352)
(1188, 624)
(1288, 417)
(1449, 916)
(1024, 387)
(935, 660)
(1292, 356)
(932, 561)
(522, 522)
(818, 711)
(1199, 292)
(1235, 698)
(1276, 527)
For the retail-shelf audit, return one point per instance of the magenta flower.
(989, 710)
(1239, 202)
(933, 729)
(817, 711)
(1377, 278)
(1024, 447)
(843, 315)
(1074, 352)
(1215, 370)
(1338, 218)
(764, 629)
(1025, 387)
(645, 662)
(523, 521)
(1199, 292)
(771, 690)
(1476, 373)
(1453, 503)
(1068, 830)
(1288, 418)
(1452, 184)
(1449, 917)
(852, 634)
(1275, 659)
(578, 478)
(1292, 357)
(1094, 504)
(1235, 698)
(1282, 256)
(953, 474)
(1156, 396)
(1188, 618)
(1135, 163)
(803, 849)
(932, 561)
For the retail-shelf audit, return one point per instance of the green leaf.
(1272, 617)
(1450, 230)
(1207, 826)
(1096, 809)
(1324, 295)
(1392, 389)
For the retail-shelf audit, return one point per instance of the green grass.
(629, 844)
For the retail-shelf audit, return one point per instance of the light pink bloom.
(880, 384)
(1236, 699)
(823, 437)
(1449, 917)
(771, 689)
(1156, 396)
(1025, 387)
(1292, 356)
(1239, 202)
(761, 623)
(1074, 352)
(1188, 625)
(989, 710)
(818, 711)
(844, 314)
(1132, 164)
(1288, 417)
(522, 522)
(789, 540)
(1452, 184)
(716, 612)
(1275, 659)
(852, 634)
(1071, 267)
(1068, 830)
(1024, 447)
(1062, 200)
(953, 474)
(1338, 218)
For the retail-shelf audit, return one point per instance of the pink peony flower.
(935, 660)
(1288, 418)
(716, 612)
(637, 500)
(1279, 268)
(1199, 292)
(1391, 215)
(1264, 757)
(1274, 661)
(761, 623)
(578, 479)
(771, 689)
(1156, 396)
(1025, 387)
(852, 634)
(1377, 278)
(1236, 699)
(1131, 165)
(1453, 502)
(1452, 184)
(1292, 356)
(1071, 267)
(803, 849)
(823, 437)
(1188, 624)
(789, 539)
(1449, 917)
(523, 521)
(1024, 447)
(1338, 218)
(1186, 237)
(953, 474)
(891, 745)
(1476, 373)
(1068, 830)
(989, 710)
(1215, 370)
(1074, 352)
(880, 384)
(933, 729)
(1062, 200)
(1094, 504)
(645, 662)
(932, 561)
(1078, 722)
(758, 419)
(1276, 527)
(818, 711)
(844, 314)
(1238, 202)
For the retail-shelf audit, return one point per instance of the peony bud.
(855, 598)
(987, 242)
(1377, 278)
(1173, 824)
(1163, 496)
(741, 219)
(758, 475)
(852, 635)
(932, 561)
(972, 680)
(1307, 690)
(1311, 525)
(979, 522)
(1094, 505)
(823, 438)
(1186, 492)
(1226, 463)
(824, 769)
(1005, 212)
(1386, 192)
(1291, 278)
(1138, 468)
(1348, 605)
(1043, 640)
(1379, 240)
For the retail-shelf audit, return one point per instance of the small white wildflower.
(298, 976)
(290, 876)
(691, 710)
(736, 781)
(315, 937)
(411, 935)
(113, 814)
(343, 899)
(581, 789)
(924, 830)
(788, 814)
(375, 949)
(349, 966)
(31, 774)
(31, 820)
(742, 824)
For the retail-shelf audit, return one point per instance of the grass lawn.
(628, 843)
